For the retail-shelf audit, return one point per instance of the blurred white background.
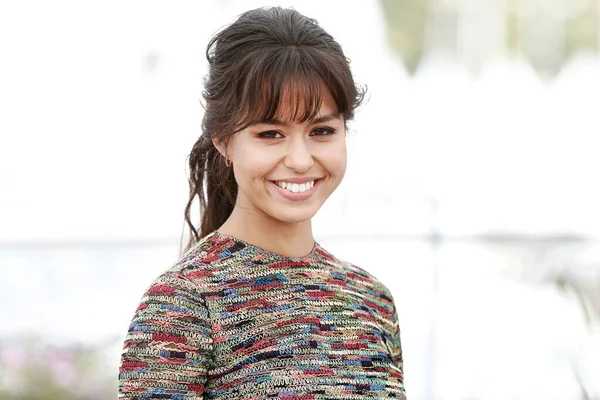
(471, 189)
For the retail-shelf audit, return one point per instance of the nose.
(298, 155)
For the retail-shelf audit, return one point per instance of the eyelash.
(328, 132)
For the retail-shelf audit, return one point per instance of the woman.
(255, 308)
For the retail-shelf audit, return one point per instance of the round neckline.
(312, 254)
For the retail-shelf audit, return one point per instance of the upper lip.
(298, 180)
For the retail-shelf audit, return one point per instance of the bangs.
(287, 86)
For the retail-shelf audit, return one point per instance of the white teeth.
(296, 187)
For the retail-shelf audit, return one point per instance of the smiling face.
(281, 150)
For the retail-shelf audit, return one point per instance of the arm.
(167, 350)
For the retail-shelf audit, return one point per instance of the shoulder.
(199, 260)
(375, 286)
(190, 270)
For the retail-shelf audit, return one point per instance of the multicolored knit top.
(230, 320)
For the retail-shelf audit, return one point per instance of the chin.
(293, 217)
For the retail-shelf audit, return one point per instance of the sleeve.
(396, 344)
(167, 350)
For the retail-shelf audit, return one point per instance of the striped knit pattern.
(233, 321)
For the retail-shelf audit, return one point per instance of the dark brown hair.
(269, 59)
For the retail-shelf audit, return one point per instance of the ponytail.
(207, 168)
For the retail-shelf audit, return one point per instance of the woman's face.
(279, 153)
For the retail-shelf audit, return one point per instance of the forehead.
(293, 98)
(296, 108)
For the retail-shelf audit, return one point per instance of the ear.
(219, 147)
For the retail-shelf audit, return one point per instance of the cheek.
(251, 166)
(335, 158)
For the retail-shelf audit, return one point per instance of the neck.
(288, 239)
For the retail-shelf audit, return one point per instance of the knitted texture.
(230, 320)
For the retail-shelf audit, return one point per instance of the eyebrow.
(319, 120)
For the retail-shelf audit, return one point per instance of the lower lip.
(297, 196)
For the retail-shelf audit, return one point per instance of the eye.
(324, 131)
(269, 134)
